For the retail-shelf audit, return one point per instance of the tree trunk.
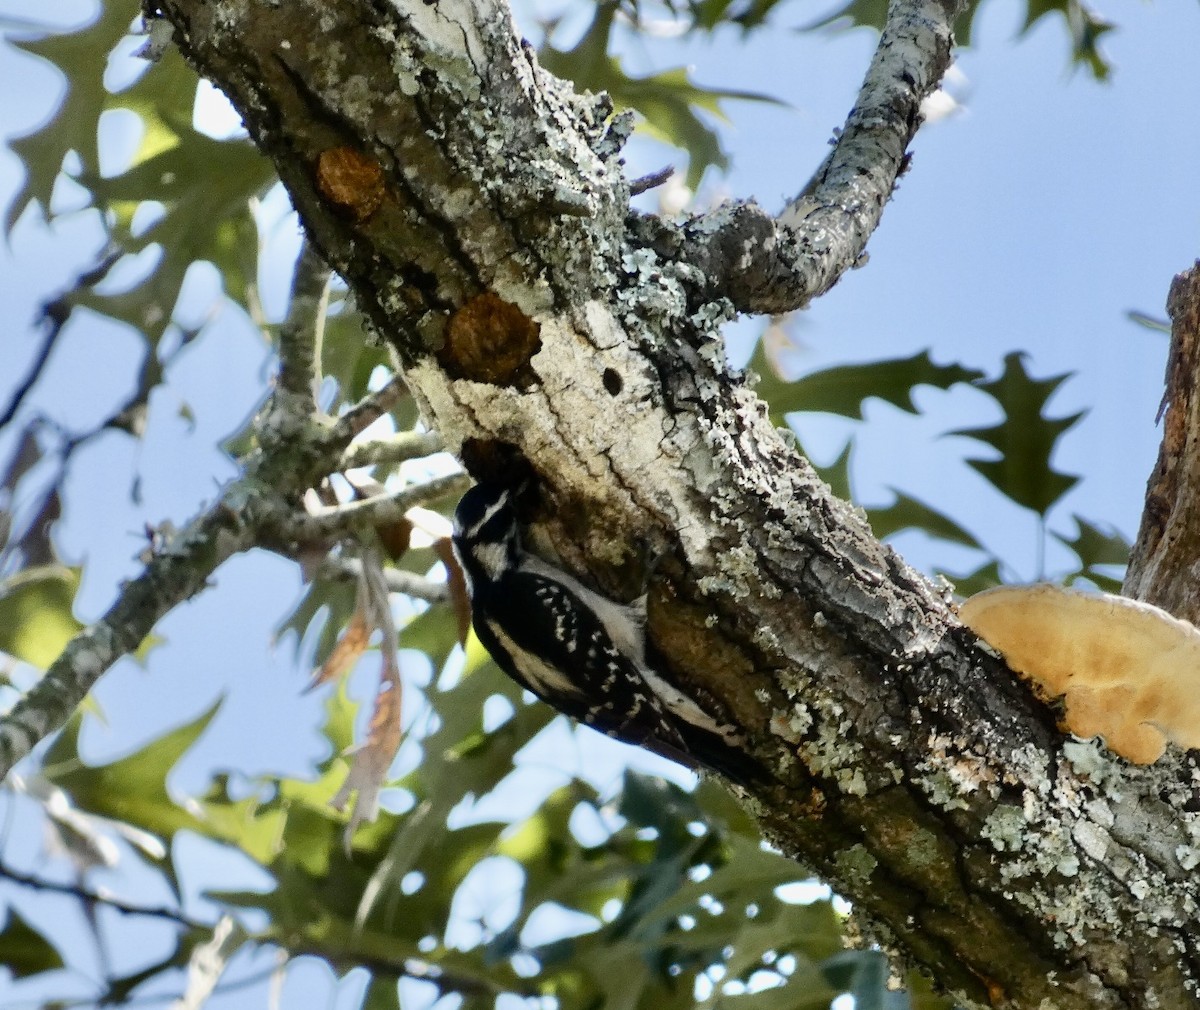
(476, 206)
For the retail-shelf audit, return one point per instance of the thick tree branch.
(773, 265)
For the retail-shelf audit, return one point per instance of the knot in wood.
(490, 340)
(351, 180)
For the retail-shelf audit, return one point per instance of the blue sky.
(1033, 219)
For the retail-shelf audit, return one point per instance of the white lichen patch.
(1093, 839)
(654, 296)
(950, 773)
(739, 570)
(834, 752)
(790, 726)
(855, 865)
(453, 27)
(1070, 833)
(1068, 866)
(1099, 812)
(1055, 845)
(1188, 856)
(943, 790)
(1087, 759)
(851, 781)
(767, 640)
(1006, 828)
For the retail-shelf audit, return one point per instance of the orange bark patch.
(351, 180)
(490, 340)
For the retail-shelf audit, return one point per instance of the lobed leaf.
(668, 101)
(908, 513)
(132, 789)
(843, 389)
(1025, 440)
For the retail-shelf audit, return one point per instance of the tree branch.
(55, 313)
(398, 581)
(775, 265)
(99, 898)
(300, 334)
(175, 573)
(390, 451)
(333, 522)
(367, 411)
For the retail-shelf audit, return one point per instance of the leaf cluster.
(1017, 459)
(655, 896)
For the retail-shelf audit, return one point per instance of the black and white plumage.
(576, 650)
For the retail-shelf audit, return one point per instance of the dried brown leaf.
(349, 647)
(456, 582)
(370, 762)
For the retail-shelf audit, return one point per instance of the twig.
(405, 446)
(336, 521)
(301, 333)
(398, 581)
(98, 898)
(368, 410)
(56, 313)
(648, 182)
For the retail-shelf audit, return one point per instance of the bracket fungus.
(1128, 671)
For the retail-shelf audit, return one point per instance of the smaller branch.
(302, 331)
(644, 183)
(35, 371)
(449, 980)
(98, 898)
(177, 572)
(398, 581)
(768, 265)
(453, 982)
(446, 978)
(387, 451)
(335, 522)
(55, 312)
(368, 410)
